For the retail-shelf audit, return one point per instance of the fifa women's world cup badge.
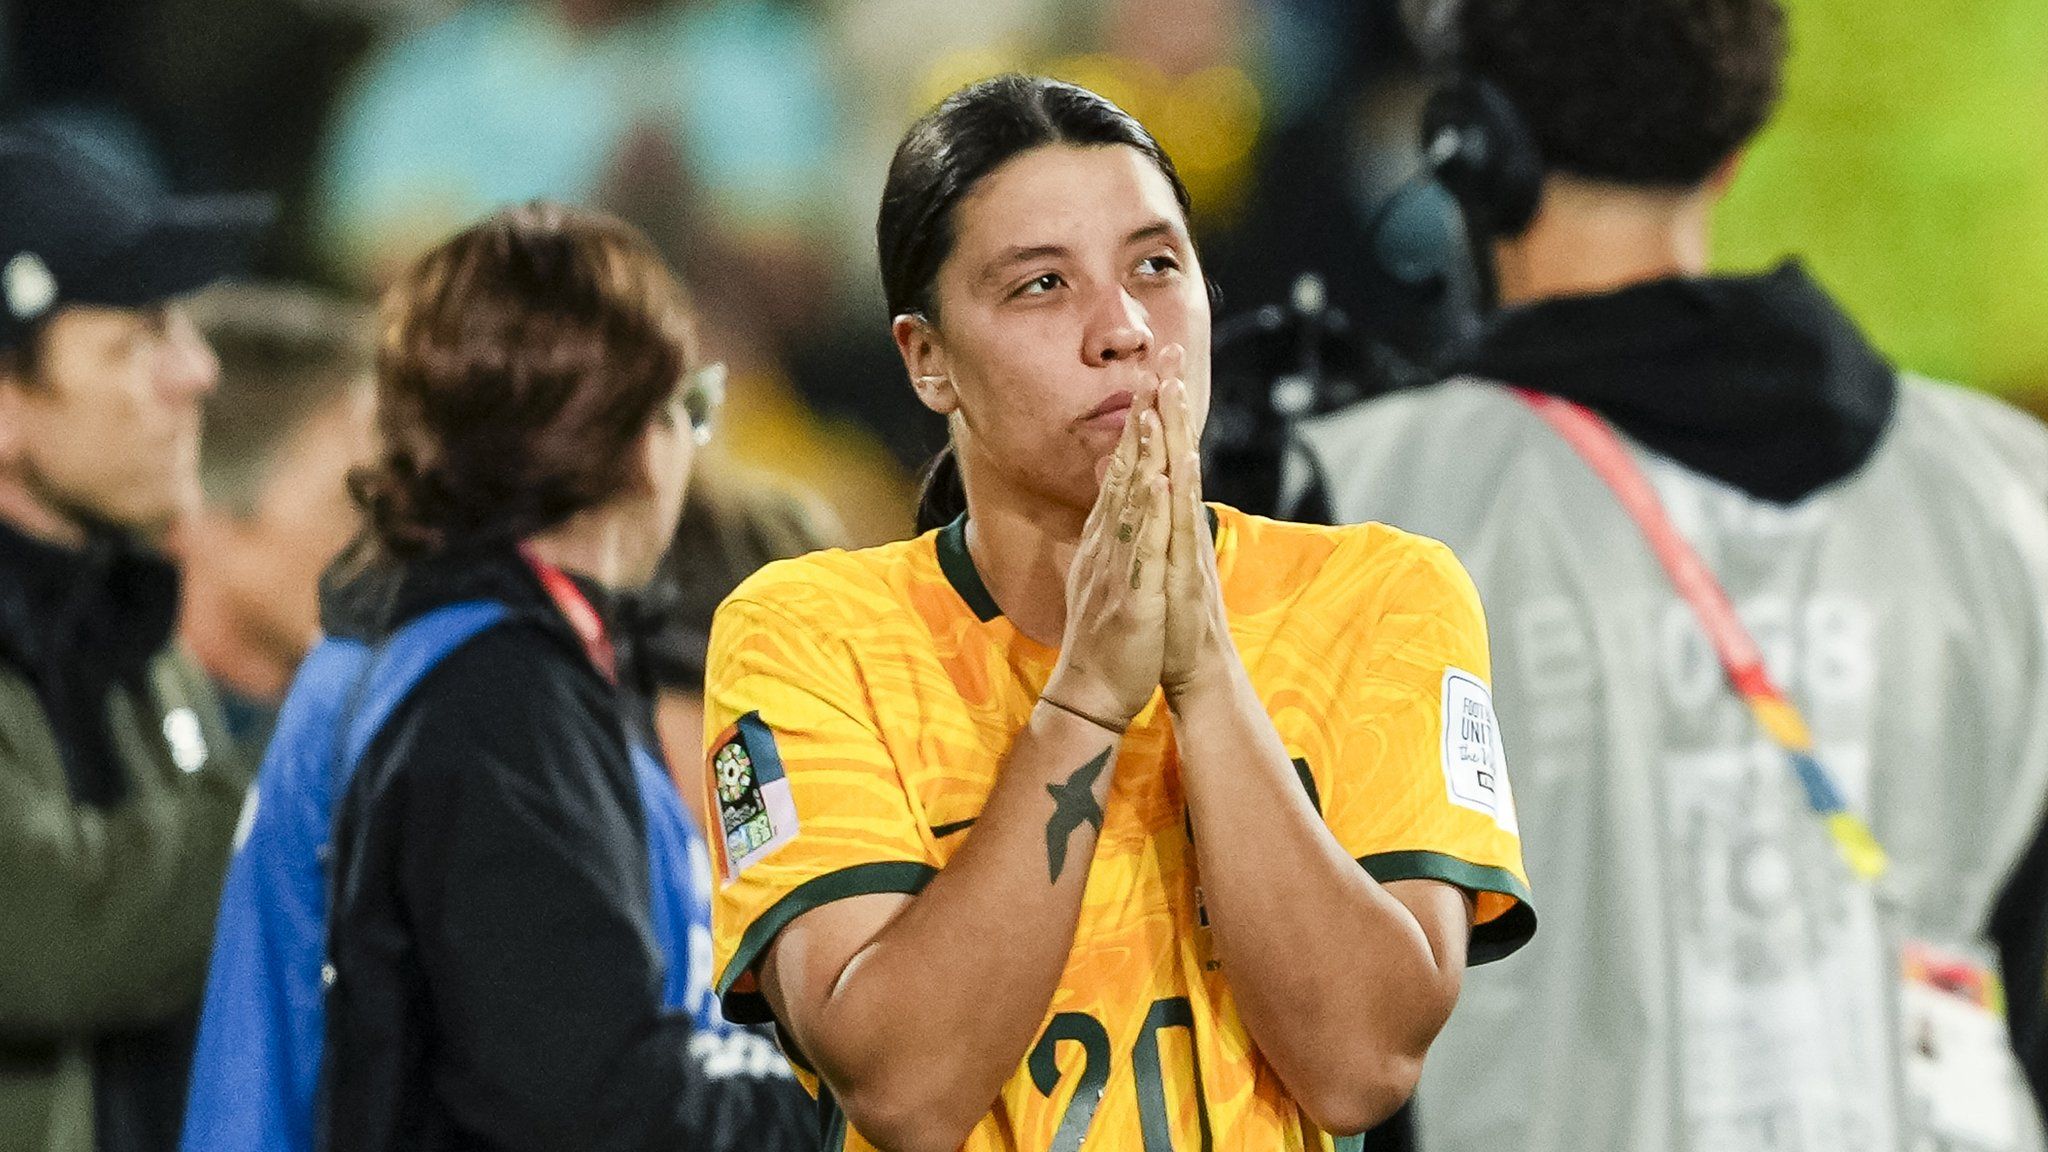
(756, 813)
(735, 773)
(746, 818)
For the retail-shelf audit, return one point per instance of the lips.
(1115, 404)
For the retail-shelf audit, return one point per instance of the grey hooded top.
(1710, 976)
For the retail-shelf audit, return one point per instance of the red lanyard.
(577, 609)
(1604, 452)
(1741, 660)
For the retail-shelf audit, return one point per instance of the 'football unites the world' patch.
(1475, 762)
(756, 813)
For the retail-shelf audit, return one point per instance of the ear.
(924, 357)
(1724, 174)
(13, 419)
(648, 455)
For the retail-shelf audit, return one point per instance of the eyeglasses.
(703, 394)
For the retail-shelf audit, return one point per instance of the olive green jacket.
(106, 915)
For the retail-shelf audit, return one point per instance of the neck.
(234, 614)
(1592, 238)
(233, 647)
(35, 517)
(1023, 548)
(592, 544)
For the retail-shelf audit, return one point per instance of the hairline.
(1160, 225)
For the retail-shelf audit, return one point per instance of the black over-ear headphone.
(1481, 150)
(1477, 148)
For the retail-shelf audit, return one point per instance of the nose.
(186, 365)
(1119, 330)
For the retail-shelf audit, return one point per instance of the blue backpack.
(257, 1065)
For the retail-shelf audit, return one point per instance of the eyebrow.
(997, 268)
(1157, 229)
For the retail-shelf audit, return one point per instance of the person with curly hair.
(1770, 644)
(464, 786)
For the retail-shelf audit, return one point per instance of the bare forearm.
(943, 1004)
(1359, 993)
(919, 1010)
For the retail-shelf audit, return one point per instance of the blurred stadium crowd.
(1907, 167)
(746, 135)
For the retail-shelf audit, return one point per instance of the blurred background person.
(516, 885)
(119, 786)
(290, 418)
(1862, 174)
(1728, 962)
(255, 1077)
(711, 124)
(731, 526)
(502, 101)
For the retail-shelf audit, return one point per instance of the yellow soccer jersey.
(858, 705)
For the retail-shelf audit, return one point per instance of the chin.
(154, 530)
(1079, 495)
(155, 521)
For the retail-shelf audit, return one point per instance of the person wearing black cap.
(119, 791)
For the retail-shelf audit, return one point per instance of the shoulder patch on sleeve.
(1475, 762)
(756, 813)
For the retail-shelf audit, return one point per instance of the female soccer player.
(1097, 812)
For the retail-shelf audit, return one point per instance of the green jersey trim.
(898, 876)
(960, 572)
(1497, 938)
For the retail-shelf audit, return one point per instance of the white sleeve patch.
(1475, 763)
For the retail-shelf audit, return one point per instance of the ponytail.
(941, 494)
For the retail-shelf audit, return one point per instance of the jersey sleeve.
(803, 802)
(1417, 779)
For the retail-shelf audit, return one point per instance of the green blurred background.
(1909, 169)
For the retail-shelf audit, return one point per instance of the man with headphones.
(1770, 626)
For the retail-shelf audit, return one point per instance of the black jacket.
(496, 983)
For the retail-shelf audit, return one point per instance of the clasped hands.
(1144, 600)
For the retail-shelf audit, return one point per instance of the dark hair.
(940, 160)
(1641, 92)
(517, 365)
(732, 524)
(24, 361)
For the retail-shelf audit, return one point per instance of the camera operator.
(1767, 610)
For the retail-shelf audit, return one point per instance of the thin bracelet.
(1095, 720)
